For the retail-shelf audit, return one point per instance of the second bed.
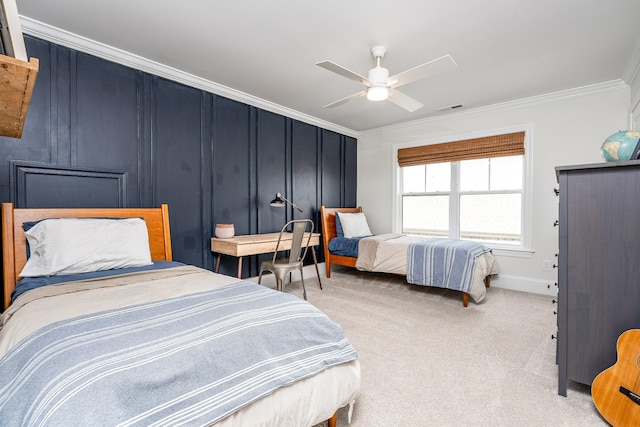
(454, 264)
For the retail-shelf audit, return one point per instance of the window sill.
(513, 252)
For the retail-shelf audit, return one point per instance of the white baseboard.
(524, 284)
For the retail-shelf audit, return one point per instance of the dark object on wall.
(598, 270)
(35, 185)
(211, 159)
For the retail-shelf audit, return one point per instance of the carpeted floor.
(428, 361)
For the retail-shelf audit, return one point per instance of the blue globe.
(620, 145)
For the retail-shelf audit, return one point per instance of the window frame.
(522, 250)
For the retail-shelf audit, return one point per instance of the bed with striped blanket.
(158, 342)
(389, 253)
(445, 263)
(96, 352)
(400, 254)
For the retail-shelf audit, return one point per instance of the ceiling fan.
(380, 86)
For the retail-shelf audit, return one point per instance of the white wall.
(634, 106)
(568, 128)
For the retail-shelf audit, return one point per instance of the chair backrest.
(301, 236)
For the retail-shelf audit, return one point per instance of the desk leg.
(239, 267)
(315, 262)
(218, 263)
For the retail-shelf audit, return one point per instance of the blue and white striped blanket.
(191, 360)
(444, 263)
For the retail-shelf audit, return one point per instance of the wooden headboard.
(328, 221)
(14, 243)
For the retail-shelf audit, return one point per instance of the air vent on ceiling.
(450, 107)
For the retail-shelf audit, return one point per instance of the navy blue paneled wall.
(211, 159)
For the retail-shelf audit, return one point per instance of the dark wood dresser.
(598, 266)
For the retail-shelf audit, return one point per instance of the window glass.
(438, 177)
(506, 173)
(413, 179)
(484, 197)
(491, 218)
(474, 175)
(426, 215)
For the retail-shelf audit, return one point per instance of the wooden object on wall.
(17, 79)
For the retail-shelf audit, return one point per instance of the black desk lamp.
(279, 202)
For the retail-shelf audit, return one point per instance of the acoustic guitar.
(616, 390)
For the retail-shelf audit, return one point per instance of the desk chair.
(299, 245)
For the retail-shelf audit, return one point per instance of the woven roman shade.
(510, 144)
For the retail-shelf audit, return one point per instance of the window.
(481, 199)
(425, 199)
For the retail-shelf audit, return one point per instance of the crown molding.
(65, 38)
(110, 53)
(522, 102)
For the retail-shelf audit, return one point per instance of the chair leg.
(304, 290)
(260, 277)
(281, 282)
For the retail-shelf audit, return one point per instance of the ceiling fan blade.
(444, 63)
(339, 69)
(404, 101)
(347, 99)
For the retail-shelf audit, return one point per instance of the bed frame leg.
(465, 299)
(333, 421)
(487, 281)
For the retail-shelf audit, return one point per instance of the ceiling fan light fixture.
(377, 93)
(379, 86)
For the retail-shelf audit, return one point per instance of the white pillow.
(354, 224)
(80, 245)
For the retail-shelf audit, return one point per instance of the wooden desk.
(255, 244)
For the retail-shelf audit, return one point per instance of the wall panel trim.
(23, 172)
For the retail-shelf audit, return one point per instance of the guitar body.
(616, 390)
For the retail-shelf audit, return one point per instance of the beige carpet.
(428, 361)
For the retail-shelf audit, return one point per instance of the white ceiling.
(266, 50)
